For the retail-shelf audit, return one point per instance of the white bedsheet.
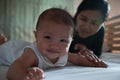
(111, 57)
(77, 73)
(89, 73)
(85, 73)
(82, 73)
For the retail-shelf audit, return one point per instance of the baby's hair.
(56, 15)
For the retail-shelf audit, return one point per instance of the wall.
(115, 10)
(114, 5)
(18, 17)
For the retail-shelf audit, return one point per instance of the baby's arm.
(19, 68)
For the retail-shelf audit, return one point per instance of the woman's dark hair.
(100, 5)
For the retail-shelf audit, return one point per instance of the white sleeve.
(10, 50)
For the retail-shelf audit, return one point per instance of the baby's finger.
(32, 74)
(40, 74)
(29, 76)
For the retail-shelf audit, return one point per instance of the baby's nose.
(54, 46)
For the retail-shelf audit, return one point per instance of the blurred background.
(18, 19)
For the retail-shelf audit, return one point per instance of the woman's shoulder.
(101, 31)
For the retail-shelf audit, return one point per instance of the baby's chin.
(53, 57)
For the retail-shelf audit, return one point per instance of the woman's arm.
(3, 39)
(85, 60)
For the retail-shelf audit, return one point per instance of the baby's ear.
(35, 33)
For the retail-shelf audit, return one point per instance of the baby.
(53, 35)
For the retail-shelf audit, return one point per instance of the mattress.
(85, 73)
(81, 73)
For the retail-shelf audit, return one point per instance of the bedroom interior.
(18, 19)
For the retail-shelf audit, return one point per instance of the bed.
(88, 73)
(112, 58)
(82, 73)
(85, 73)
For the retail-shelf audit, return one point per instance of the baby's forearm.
(16, 71)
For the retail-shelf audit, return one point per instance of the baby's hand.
(35, 73)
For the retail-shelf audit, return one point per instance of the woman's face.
(88, 22)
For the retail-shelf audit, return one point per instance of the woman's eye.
(83, 19)
(96, 23)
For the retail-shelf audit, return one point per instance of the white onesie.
(11, 50)
(44, 63)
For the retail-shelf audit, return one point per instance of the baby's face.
(53, 40)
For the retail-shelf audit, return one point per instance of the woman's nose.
(87, 24)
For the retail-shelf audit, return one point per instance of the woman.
(89, 35)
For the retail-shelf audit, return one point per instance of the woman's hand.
(85, 57)
(35, 73)
(3, 39)
(90, 56)
(81, 60)
(83, 50)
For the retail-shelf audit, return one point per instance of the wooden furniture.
(112, 35)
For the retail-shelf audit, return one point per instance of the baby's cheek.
(65, 51)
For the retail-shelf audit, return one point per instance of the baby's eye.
(63, 40)
(47, 37)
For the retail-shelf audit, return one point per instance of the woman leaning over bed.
(89, 35)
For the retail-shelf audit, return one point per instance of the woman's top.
(93, 42)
